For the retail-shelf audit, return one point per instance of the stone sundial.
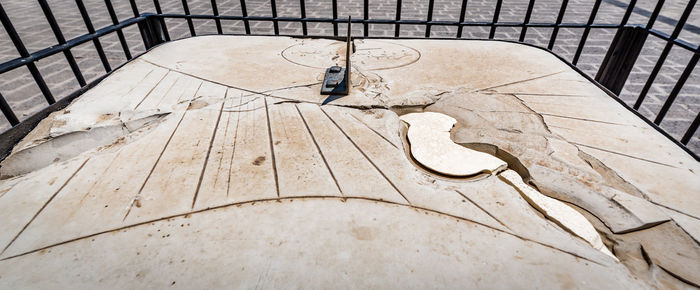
(215, 161)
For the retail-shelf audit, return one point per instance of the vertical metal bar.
(134, 8)
(496, 14)
(528, 14)
(655, 14)
(302, 5)
(628, 12)
(7, 111)
(61, 40)
(398, 17)
(586, 31)
(215, 10)
(691, 130)
(91, 29)
(120, 34)
(186, 8)
(335, 17)
(22, 50)
(244, 12)
(366, 17)
(431, 3)
(462, 15)
(662, 58)
(275, 25)
(677, 88)
(164, 28)
(560, 17)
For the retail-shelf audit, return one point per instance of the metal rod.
(560, 17)
(22, 50)
(366, 17)
(677, 88)
(215, 10)
(275, 25)
(691, 130)
(134, 8)
(655, 14)
(462, 14)
(397, 27)
(528, 14)
(164, 28)
(186, 8)
(7, 111)
(302, 6)
(91, 30)
(431, 3)
(586, 31)
(662, 58)
(244, 12)
(120, 34)
(496, 14)
(628, 12)
(335, 17)
(61, 40)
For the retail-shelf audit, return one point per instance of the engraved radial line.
(272, 148)
(44, 206)
(211, 144)
(380, 135)
(233, 154)
(319, 149)
(155, 163)
(482, 209)
(366, 157)
(151, 90)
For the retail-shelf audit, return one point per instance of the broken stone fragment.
(560, 213)
(431, 146)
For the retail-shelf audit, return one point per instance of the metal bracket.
(337, 79)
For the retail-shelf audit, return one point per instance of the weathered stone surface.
(221, 159)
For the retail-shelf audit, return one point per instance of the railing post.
(152, 31)
(621, 56)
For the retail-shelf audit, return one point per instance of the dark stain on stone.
(259, 160)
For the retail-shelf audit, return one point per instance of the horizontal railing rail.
(617, 65)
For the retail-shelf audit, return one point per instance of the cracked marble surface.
(216, 157)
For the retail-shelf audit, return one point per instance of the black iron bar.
(275, 25)
(91, 29)
(186, 8)
(586, 31)
(628, 12)
(431, 3)
(365, 25)
(29, 59)
(397, 27)
(560, 17)
(145, 33)
(691, 130)
(302, 6)
(655, 14)
(164, 28)
(462, 15)
(134, 8)
(215, 11)
(528, 14)
(496, 14)
(677, 88)
(335, 17)
(120, 34)
(61, 40)
(22, 50)
(244, 12)
(7, 111)
(662, 58)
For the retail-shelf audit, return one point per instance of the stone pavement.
(22, 93)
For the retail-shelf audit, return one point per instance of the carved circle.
(367, 56)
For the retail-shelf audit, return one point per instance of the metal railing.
(612, 74)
